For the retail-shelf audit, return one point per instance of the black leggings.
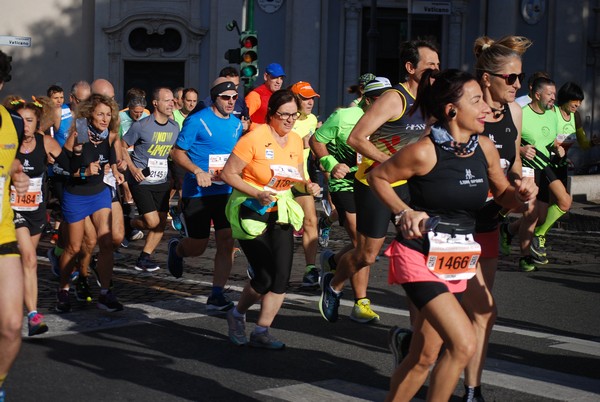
(421, 293)
(270, 256)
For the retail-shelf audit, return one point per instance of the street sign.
(431, 7)
(21, 41)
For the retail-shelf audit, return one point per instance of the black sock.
(144, 255)
(332, 263)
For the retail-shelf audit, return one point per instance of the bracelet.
(82, 173)
(399, 216)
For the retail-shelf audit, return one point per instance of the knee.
(365, 258)
(565, 204)
(29, 260)
(464, 348)
(10, 327)
(72, 249)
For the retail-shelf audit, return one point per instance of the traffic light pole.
(248, 26)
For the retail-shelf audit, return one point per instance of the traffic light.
(233, 56)
(249, 55)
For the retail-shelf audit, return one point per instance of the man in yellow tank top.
(12, 178)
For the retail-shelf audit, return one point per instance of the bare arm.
(232, 175)
(181, 158)
(389, 106)
(415, 159)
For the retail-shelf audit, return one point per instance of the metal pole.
(409, 21)
(250, 11)
(373, 34)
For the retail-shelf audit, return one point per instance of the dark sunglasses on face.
(228, 97)
(510, 78)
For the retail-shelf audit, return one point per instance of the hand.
(119, 178)
(340, 171)
(266, 197)
(203, 179)
(245, 124)
(528, 152)
(410, 223)
(561, 151)
(526, 189)
(121, 166)
(313, 188)
(94, 168)
(137, 174)
(19, 179)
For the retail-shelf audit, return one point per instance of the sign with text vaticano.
(431, 7)
(21, 41)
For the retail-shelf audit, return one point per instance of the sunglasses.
(510, 78)
(228, 97)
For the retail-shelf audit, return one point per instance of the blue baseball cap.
(275, 70)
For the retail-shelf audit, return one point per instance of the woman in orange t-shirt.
(267, 161)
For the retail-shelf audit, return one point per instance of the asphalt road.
(163, 346)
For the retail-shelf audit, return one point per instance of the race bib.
(215, 167)
(158, 170)
(31, 200)
(110, 180)
(284, 177)
(358, 158)
(453, 258)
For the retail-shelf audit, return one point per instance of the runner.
(449, 173)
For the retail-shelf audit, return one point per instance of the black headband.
(220, 88)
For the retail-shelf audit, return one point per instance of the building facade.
(329, 43)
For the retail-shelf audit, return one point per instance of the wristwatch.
(82, 172)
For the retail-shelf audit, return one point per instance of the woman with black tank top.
(498, 69)
(87, 194)
(449, 173)
(30, 208)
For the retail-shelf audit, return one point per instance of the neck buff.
(97, 136)
(442, 137)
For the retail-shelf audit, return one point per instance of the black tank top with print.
(92, 184)
(34, 162)
(455, 189)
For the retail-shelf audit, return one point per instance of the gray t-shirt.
(151, 145)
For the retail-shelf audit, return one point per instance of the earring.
(452, 113)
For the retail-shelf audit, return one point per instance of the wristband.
(399, 216)
(328, 162)
(82, 173)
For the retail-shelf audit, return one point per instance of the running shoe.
(311, 277)
(53, 262)
(174, 262)
(538, 246)
(175, 219)
(250, 271)
(82, 290)
(146, 264)
(63, 305)
(526, 264)
(399, 343)
(237, 329)
(324, 261)
(470, 396)
(218, 303)
(265, 340)
(54, 238)
(2, 395)
(36, 325)
(109, 302)
(329, 302)
(363, 313)
(539, 259)
(505, 239)
(136, 235)
(125, 242)
(298, 233)
(324, 229)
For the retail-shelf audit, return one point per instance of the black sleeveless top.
(90, 153)
(34, 162)
(455, 189)
(503, 134)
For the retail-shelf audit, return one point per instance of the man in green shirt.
(540, 152)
